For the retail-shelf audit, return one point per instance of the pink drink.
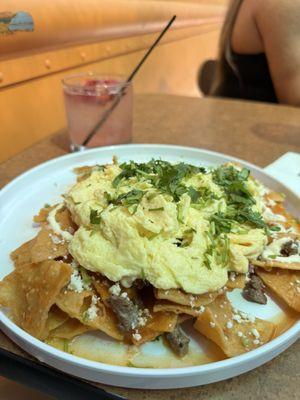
(87, 99)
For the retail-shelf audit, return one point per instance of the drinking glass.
(88, 99)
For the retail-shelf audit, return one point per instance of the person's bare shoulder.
(245, 38)
(285, 13)
(278, 23)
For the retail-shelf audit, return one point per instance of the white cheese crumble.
(242, 317)
(192, 301)
(91, 312)
(115, 289)
(212, 324)
(143, 316)
(55, 225)
(229, 325)
(136, 336)
(255, 333)
(76, 282)
(127, 281)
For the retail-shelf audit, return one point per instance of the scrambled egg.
(165, 241)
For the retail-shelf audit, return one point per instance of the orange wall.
(101, 35)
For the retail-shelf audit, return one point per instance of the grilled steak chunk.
(125, 310)
(290, 248)
(254, 290)
(178, 341)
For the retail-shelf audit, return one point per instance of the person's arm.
(278, 22)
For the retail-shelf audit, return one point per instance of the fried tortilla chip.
(236, 281)
(77, 305)
(275, 196)
(42, 216)
(29, 293)
(168, 306)
(74, 303)
(157, 324)
(45, 246)
(69, 329)
(233, 331)
(269, 264)
(180, 297)
(83, 172)
(285, 284)
(56, 317)
(183, 317)
(64, 218)
(102, 288)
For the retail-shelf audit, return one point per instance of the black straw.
(129, 79)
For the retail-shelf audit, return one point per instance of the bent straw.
(129, 79)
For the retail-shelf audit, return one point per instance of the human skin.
(272, 27)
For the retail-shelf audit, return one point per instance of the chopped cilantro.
(220, 223)
(164, 176)
(132, 197)
(207, 254)
(275, 228)
(156, 209)
(194, 194)
(272, 256)
(238, 198)
(95, 217)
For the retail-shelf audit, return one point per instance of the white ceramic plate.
(24, 196)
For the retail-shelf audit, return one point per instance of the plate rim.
(215, 366)
(292, 334)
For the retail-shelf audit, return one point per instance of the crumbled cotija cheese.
(91, 312)
(76, 282)
(136, 336)
(229, 325)
(143, 317)
(242, 317)
(255, 333)
(115, 289)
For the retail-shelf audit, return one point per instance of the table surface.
(256, 132)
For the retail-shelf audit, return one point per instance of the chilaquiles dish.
(134, 250)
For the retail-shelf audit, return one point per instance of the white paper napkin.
(286, 169)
